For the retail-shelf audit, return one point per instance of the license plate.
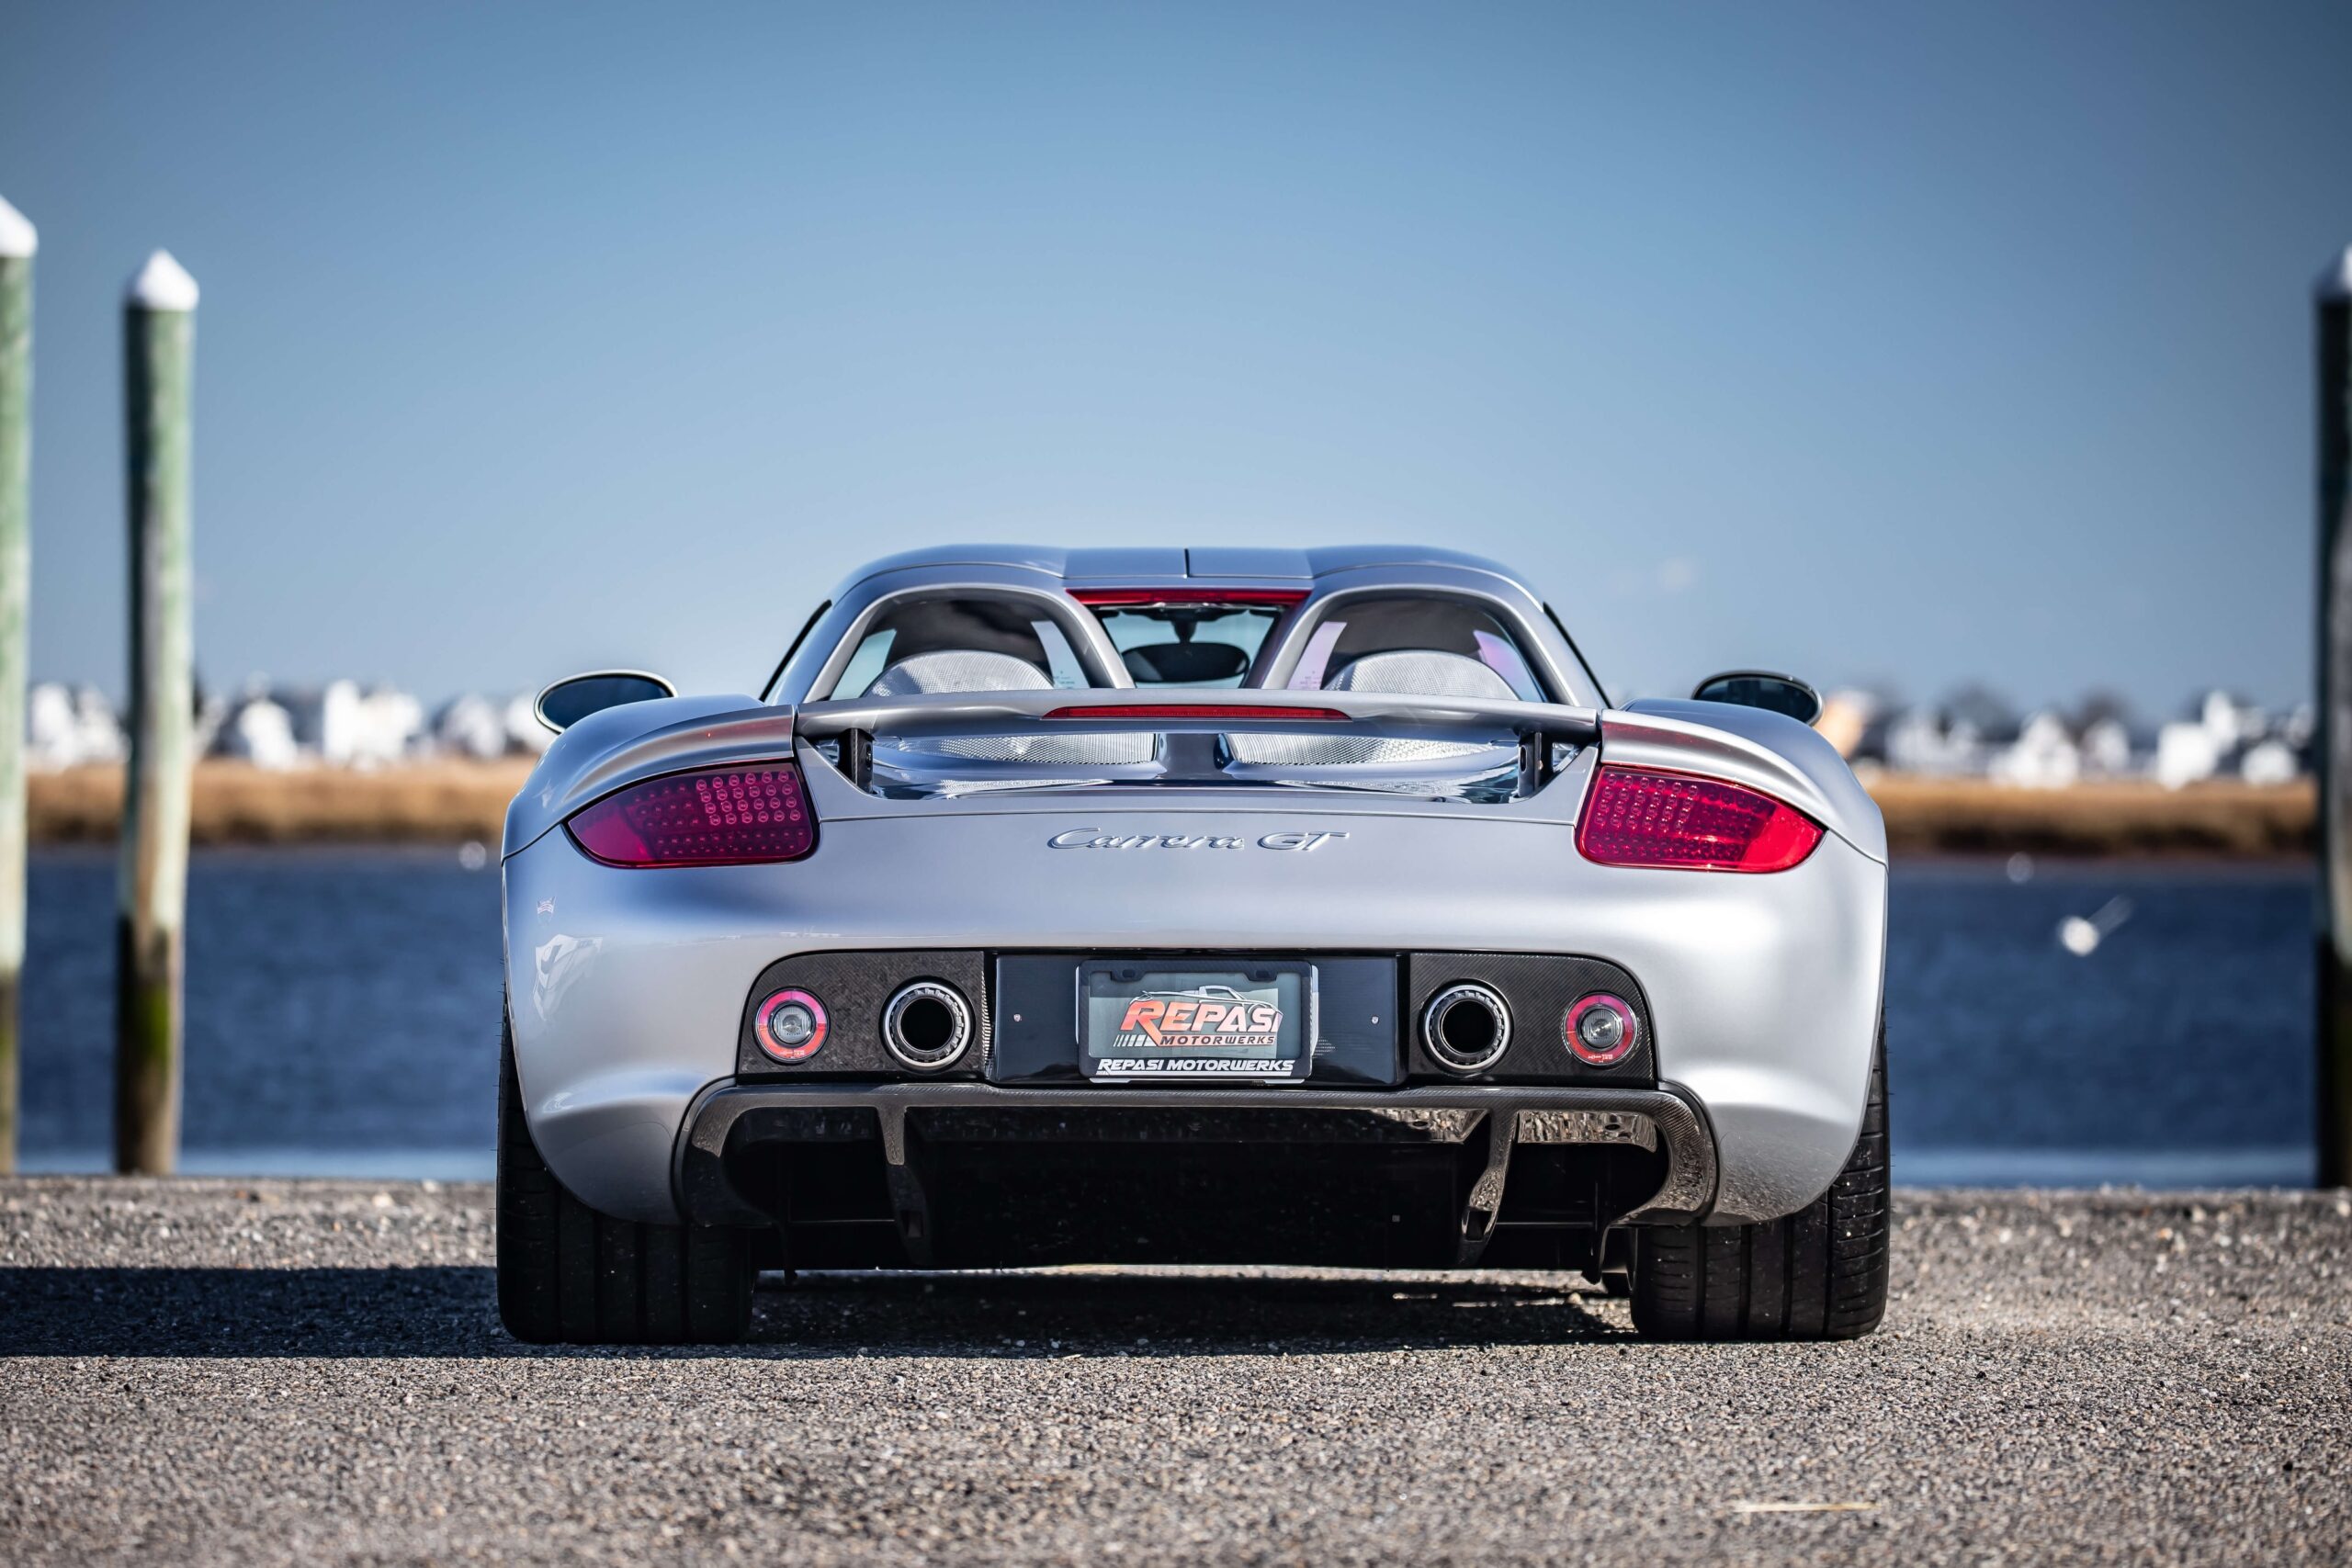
(1143, 1023)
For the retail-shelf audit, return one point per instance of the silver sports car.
(1214, 905)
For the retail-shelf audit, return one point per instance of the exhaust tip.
(927, 1025)
(1466, 1027)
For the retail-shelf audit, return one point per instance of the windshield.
(1187, 645)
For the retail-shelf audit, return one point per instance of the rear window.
(1353, 629)
(1188, 645)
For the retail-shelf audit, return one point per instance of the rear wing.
(621, 746)
(1192, 709)
(1208, 713)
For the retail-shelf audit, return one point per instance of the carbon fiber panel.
(855, 987)
(1538, 989)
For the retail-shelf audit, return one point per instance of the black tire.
(569, 1275)
(1820, 1273)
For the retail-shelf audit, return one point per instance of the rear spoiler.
(619, 746)
(1101, 709)
(1198, 711)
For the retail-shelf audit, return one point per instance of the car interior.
(1422, 645)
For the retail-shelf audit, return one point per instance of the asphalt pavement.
(273, 1372)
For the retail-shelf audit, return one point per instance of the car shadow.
(449, 1311)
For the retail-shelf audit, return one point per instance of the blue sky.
(1911, 345)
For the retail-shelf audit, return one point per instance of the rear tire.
(569, 1275)
(1820, 1273)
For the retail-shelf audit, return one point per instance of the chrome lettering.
(1095, 838)
(1301, 842)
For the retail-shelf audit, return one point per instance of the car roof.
(1154, 566)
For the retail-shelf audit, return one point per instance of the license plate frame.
(1124, 1040)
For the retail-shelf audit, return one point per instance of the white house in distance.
(1924, 741)
(259, 730)
(1973, 737)
(2106, 746)
(2043, 756)
(472, 726)
(346, 726)
(341, 724)
(365, 729)
(65, 728)
(2228, 735)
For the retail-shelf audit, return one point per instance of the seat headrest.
(1420, 672)
(959, 669)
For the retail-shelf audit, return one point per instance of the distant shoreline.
(2125, 817)
(452, 802)
(235, 803)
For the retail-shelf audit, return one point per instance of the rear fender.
(641, 740)
(1768, 751)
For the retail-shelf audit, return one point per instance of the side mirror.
(568, 701)
(1762, 689)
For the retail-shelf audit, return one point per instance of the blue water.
(343, 1018)
(2179, 1053)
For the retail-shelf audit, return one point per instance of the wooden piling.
(2335, 697)
(159, 343)
(17, 243)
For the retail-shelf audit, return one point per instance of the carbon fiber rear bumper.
(726, 1113)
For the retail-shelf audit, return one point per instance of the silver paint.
(1763, 989)
(627, 986)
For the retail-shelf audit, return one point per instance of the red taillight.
(1253, 598)
(1639, 817)
(723, 817)
(1146, 711)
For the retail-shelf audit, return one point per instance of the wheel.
(1820, 1273)
(569, 1275)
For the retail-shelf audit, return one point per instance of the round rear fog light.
(790, 1026)
(1600, 1030)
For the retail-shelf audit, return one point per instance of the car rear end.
(867, 979)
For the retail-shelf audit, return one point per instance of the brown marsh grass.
(238, 804)
(451, 802)
(2230, 817)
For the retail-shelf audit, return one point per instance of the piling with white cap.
(17, 243)
(2334, 310)
(159, 343)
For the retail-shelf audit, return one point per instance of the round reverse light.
(1600, 1030)
(790, 1026)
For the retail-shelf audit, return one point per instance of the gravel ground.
(270, 1371)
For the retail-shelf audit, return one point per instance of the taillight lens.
(1638, 816)
(720, 817)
